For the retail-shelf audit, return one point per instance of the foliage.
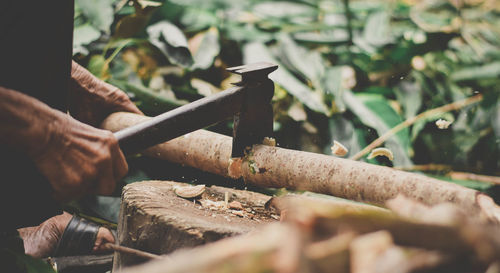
(348, 70)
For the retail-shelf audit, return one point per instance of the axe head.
(255, 119)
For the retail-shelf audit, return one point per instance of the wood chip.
(189, 191)
(234, 167)
(443, 124)
(381, 152)
(269, 141)
(238, 213)
(338, 149)
(212, 205)
(235, 205)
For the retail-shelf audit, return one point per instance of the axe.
(249, 101)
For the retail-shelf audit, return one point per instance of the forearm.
(25, 122)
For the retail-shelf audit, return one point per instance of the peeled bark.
(275, 167)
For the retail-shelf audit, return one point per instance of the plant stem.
(407, 123)
(132, 251)
(348, 16)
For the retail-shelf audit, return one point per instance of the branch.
(407, 123)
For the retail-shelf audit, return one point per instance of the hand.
(41, 241)
(92, 100)
(76, 158)
(79, 159)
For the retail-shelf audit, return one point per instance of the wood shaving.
(235, 205)
(226, 198)
(234, 168)
(189, 191)
(238, 213)
(269, 141)
(212, 205)
(339, 149)
(381, 152)
(443, 124)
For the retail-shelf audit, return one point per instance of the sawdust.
(224, 204)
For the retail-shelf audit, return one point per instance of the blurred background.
(349, 71)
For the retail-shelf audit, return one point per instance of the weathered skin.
(41, 241)
(76, 157)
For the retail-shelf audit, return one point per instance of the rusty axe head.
(255, 119)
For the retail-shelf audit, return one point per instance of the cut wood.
(82, 264)
(275, 248)
(274, 167)
(324, 236)
(153, 218)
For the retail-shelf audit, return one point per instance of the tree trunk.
(153, 218)
(275, 167)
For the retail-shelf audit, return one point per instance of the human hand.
(92, 100)
(41, 241)
(79, 159)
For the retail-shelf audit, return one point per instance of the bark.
(156, 220)
(466, 238)
(274, 167)
(276, 248)
(83, 264)
(321, 236)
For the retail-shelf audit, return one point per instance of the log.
(83, 264)
(154, 218)
(275, 248)
(321, 236)
(274, 167)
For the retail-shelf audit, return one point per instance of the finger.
(122, 101)
(105, 179)
(120, 166)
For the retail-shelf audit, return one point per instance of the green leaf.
(476, 185)
(96, 65)
(131, 24)
(377, 31)
(257, 52)
(84, 35)
(335, 36)
(435, 16)
(98, 12)
(491, 70)
(409, 95)
(207, 49)
(149, 101)
(307, 63)
(375, 112)
(30, 264)
(333, 86)
(282, 9)
(105, 207)
(246, 32)
(195, 19)
(170, 40)
(495, 123)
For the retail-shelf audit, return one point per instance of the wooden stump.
(155, 219)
